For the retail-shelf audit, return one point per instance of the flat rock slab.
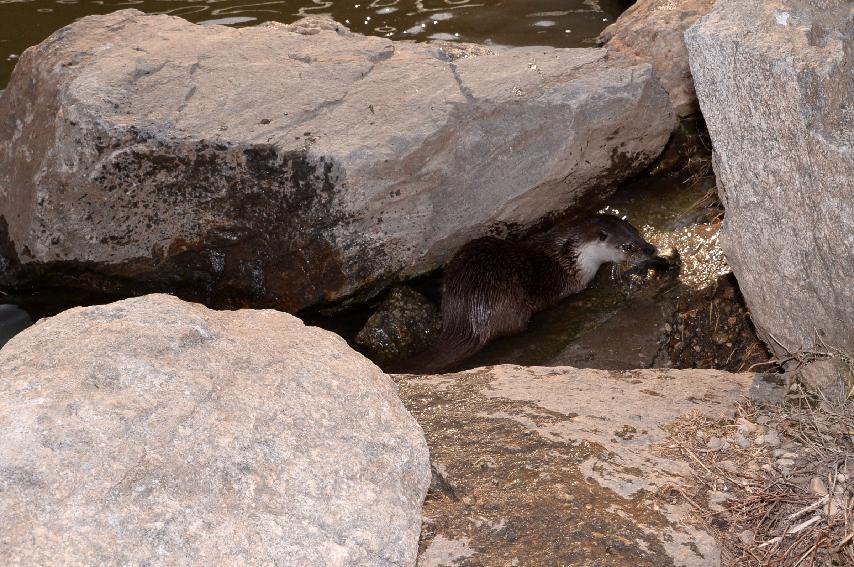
(775, 80)
(156, 432)
(291, 164)
(562, 466)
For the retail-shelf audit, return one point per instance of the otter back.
(490, 289)
(492, 286)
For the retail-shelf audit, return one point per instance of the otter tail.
(445, 353)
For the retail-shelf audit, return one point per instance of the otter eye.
(628, 247)
(603, 236)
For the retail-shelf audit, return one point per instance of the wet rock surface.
(630, 337)
(774, 81)
(289, 165)
(153, 431)
(562, 466)
(404, 323)
(651, 30)
(670, 325)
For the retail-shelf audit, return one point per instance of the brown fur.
(492, 286)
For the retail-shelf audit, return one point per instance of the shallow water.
(559, 23)
(671, 214)
(668, 212)
(616, 322)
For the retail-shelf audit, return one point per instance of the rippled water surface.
(560, 23)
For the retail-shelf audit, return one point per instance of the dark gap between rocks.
(696, 319)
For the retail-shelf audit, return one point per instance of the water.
(559, 23)
(671, 214)
(617, 321)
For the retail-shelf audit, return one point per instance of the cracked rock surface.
(565, 466)
(153, 431)
(290, 164)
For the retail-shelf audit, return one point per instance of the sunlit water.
(560, 23)
(669, 213)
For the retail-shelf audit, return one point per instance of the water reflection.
(561, 23)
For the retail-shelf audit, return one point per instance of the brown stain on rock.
(269, 245)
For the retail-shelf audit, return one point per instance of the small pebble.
(785, 462)
(715, 444)
(818, 487)
(833, 506)
(763, 420)
(772, 438)
(746, 426)
(746, 537)
(778, 453)
(742, 441)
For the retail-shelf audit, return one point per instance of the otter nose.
(649, 250)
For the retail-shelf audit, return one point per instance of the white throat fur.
(591, 255)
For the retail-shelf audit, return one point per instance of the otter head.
(608, 238)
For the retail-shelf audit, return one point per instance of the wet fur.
(492, 286)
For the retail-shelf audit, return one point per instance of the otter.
(492, 286)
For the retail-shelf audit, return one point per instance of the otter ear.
(603, 236)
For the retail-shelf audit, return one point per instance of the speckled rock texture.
(285, 165)
(651, 30)
(403, 324)
(157, 432)
(775, 81)
(566, 466)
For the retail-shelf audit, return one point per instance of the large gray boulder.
(775, 82)
(652, 30)
(153, 432)
(566, 466)
(288, 165)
